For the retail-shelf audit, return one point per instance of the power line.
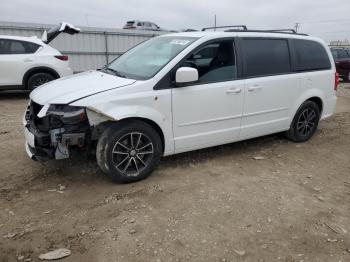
(324, 21)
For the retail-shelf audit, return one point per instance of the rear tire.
(39, 79)
(305, 122)
(129, 151)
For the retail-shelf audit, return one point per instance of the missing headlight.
(67, 114)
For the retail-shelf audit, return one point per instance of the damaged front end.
(54, 131)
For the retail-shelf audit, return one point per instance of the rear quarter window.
(311, 56)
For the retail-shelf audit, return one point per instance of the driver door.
(209, 112)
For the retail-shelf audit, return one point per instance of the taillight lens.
(337, 81)
(62, 57)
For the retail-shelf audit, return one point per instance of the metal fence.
(341, 44)
(90, 49)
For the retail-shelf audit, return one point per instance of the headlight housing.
(67, 114)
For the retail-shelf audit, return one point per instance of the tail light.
(337, 81)
(62, 57)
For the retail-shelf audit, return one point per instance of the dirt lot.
(217, 204)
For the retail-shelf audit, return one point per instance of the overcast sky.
(328, 19)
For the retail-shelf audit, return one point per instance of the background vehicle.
(181, 92)
(28, 62)
(141, 25)
(342, 61)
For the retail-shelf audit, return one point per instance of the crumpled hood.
(75, 87)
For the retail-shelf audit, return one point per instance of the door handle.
(254, 88)
(234, 91)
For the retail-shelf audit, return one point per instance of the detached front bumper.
(45, 140)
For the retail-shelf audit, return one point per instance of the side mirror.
(186, 75)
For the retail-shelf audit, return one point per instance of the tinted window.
(13, 47)
(17, 47)
(342, 54)
(266, 57)
(215, 62)
(311, 56)
(334, 54)
(3, 47)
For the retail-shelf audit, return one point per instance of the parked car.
(28, 62)
(342, 62)
(141, 25)
(181, 92)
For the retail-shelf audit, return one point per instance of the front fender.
(98, 115)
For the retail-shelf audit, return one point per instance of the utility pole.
(214, 22)
(297, 26)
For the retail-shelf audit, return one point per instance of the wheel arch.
(314, 95)
(318, 101)
(111, 113)
(101, 127)
(39, 69)
(150, 122)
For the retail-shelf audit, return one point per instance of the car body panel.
(267, 104)
(71, 88)
(135, 101)
(207, 114)
(14, 67)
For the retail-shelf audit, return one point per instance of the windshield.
(147, 59)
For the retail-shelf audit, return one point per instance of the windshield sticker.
(179, 42)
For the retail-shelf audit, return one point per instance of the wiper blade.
(115, 72)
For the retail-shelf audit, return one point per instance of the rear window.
(266, 57)
(311, 56)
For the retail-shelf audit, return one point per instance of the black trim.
(12, 87)
(243, 27)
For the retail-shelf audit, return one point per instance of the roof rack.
(277, 31)
(243, 27)
(282, 31)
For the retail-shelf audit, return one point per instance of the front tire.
(39, 79)
(129, 151)
(305, 122)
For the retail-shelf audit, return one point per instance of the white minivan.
(181, 92)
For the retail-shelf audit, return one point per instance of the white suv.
(182, 92)
(141, 25)
(28, 62)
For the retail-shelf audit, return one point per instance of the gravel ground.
(217, 204)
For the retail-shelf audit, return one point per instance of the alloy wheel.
(132, 153)
(307, 122)
(40, 81)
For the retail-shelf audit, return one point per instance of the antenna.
(297, 26)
